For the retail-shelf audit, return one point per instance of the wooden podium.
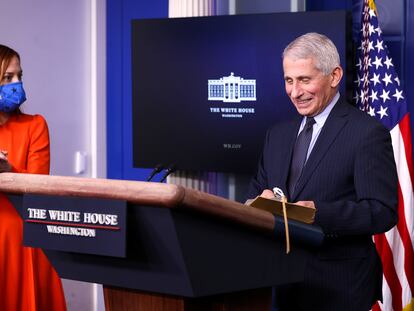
(185, 249)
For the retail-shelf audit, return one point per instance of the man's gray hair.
(317, 46)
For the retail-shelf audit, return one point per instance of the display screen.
(206, 89)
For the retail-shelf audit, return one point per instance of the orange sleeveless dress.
(27, 279)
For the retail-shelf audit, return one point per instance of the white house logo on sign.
(232, 89)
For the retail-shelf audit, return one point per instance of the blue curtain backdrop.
(119, 103)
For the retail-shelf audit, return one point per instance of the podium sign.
(82, 225)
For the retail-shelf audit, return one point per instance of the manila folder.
(294, 211)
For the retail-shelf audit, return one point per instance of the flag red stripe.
(406, 239)
(406, 136)
(390, 275)
(376, 307)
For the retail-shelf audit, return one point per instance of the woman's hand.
(4, 162)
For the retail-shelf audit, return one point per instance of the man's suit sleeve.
(376, 185)
(259, 181)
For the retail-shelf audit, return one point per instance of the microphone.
(158, 168)
(171, 169)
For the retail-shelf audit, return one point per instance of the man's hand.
(268, 194)
(306, 203)
(4, 162)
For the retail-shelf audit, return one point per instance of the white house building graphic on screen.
(232, 89)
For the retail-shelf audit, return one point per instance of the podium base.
(124, 299)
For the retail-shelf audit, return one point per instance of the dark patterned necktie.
(299, 154)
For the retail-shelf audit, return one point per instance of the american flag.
(379, 93)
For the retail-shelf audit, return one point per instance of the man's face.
(308, 88)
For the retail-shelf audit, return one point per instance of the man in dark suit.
(339, 160)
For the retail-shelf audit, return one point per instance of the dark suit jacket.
(351, 176)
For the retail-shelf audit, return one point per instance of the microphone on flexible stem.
(158, 168)
(171, 169)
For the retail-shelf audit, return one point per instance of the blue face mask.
(12, 95)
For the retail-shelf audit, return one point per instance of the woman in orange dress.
(27, 279)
